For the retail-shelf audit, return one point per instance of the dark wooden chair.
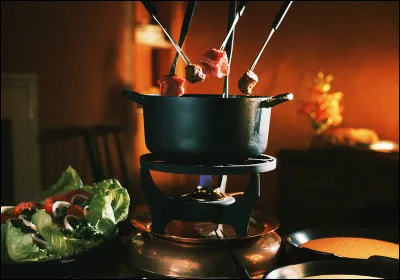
(62, 147)
(7, 181)
(95, 152)
(106, 156)
(107, 161)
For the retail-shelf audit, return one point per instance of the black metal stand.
(233, 212)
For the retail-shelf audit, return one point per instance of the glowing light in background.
(151, 35)
(385, 146)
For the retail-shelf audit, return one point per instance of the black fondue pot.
(206, 128)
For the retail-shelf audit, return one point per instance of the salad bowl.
(67, 231)
(84, 265)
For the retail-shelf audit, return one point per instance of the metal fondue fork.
(152, 12)
(240, 269)
(275, 25)
(184, 30)
(229, 48)
(240, 10)
(222, 188)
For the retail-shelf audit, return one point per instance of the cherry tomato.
(24, 205)
(69, 195)
(76, 211)
(48, 205)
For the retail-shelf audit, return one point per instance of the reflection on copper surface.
(254, 258)
(202, 259)
(271, 245)
(194, 232)
(177, 265)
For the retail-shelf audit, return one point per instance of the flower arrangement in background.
(323, 108)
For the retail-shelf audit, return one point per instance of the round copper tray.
(198, 232)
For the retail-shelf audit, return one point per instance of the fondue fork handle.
(275, 25)
(240, 9)
(184, 30)
(240, 269)
(152, 13)
(229, 48)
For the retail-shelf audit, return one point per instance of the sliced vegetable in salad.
(67, 219)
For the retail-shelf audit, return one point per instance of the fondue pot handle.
(275, 100)
(134, 96)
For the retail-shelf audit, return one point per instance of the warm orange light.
(384, 146)
(151, 35)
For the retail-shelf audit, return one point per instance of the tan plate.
(200, 232)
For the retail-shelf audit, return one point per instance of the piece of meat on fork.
(171, 85)
(215, 63)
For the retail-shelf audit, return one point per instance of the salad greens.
(19, 246)
(108, 205)
(69, 180)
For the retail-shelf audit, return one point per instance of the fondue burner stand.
(207, 203)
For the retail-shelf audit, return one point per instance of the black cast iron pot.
(200, 128)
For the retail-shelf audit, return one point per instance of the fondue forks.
(152, 12)
(240, 269)
(249, 79)
(184, 30)
(235, 20)
(275, 25)
(232, 13)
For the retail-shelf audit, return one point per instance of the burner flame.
(206, 180)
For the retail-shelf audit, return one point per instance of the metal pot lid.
(199, 232)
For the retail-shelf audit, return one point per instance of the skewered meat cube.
(247, 82)
(215, 63)
(194, 73)
(171, 85)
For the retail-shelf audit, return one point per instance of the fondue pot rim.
(143, 221)
(204, 96)
(270, 101)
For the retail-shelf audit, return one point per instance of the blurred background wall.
(78, 51)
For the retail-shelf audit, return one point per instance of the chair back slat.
(106, 146)
(122, 163)
(103, 154)
(107, 157)
(61, 147)
(7, 169)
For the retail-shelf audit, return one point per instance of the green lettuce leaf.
(4, 253)
(51, 233)
(20, 246)
(101, 215)
(78, 246)
(69, 180)
(58, 243)
(118, 196)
